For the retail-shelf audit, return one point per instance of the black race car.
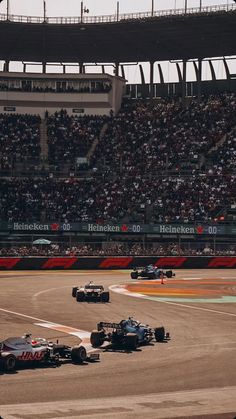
(151, 272)
(128, 333)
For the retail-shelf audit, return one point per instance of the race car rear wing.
(103, 325)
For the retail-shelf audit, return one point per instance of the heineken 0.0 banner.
(108, 228)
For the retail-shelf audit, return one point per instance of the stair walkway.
(96, 141)
(44, 140)
(203, 159)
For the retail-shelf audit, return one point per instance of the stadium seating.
(156, 162)
(70, 137)
(152, 137)
(116, 248)
(19, 139)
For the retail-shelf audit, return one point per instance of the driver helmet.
(27, 337)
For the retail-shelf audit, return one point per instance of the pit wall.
(116, 262)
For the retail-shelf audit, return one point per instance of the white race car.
(91, 292)
(25, 349)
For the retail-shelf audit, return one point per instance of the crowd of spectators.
(165, 135)
(136, 174)
(19, 139)
(136, 249)
(225, 155)
(40, 86)
(143, 200)
(70, 137)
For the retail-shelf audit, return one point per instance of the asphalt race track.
(193, 375)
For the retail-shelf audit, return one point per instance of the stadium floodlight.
(186, 6)
(83, 10)
(152, 7)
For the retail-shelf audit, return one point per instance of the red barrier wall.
(116, 262)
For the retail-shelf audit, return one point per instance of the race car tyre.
(79, 296)
(74, 291)
(8, 362)
(160, 334)
(134, 275)
(78, 354)
(169, 274)
(131, 341)
(97, 338)
(105, 297)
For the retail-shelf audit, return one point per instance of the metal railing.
(117, 18)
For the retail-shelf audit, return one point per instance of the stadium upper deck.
(166, 35)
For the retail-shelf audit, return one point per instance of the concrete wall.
(116, 262)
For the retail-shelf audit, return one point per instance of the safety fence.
(116, 262)
(73, 20)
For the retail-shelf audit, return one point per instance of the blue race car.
(150, 272)
(128, 333)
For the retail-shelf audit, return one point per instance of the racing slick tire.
(131, 341)
(97, 338)
(134, 275)
(105, 297)
(79, 296)
(159, 334)
(169, 274)
(8, 362)
(78, 354)
(74, 291)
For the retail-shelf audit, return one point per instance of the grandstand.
(100, 166)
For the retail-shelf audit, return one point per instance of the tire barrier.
(116, 262)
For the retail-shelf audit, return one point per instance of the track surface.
(191, 376)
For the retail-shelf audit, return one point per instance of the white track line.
(206, 401)
(123, 291)
(23, 315)
(34, 297)
(83, 335)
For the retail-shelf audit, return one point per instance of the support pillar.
(199, 80)
(6, 66)
(142, 74)
(116, 69)
(184, 82)
(151, 94)
(81, 68)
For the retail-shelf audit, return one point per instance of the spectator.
(19, 139)
(70, 137)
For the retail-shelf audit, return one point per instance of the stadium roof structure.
(175, 35)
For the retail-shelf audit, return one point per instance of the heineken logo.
(31, 226)
(179, 229)
(108, 228)
(199, 229)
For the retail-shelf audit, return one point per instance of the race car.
(128, 333)
(25, 350)
(91, 292)
(150, 272)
